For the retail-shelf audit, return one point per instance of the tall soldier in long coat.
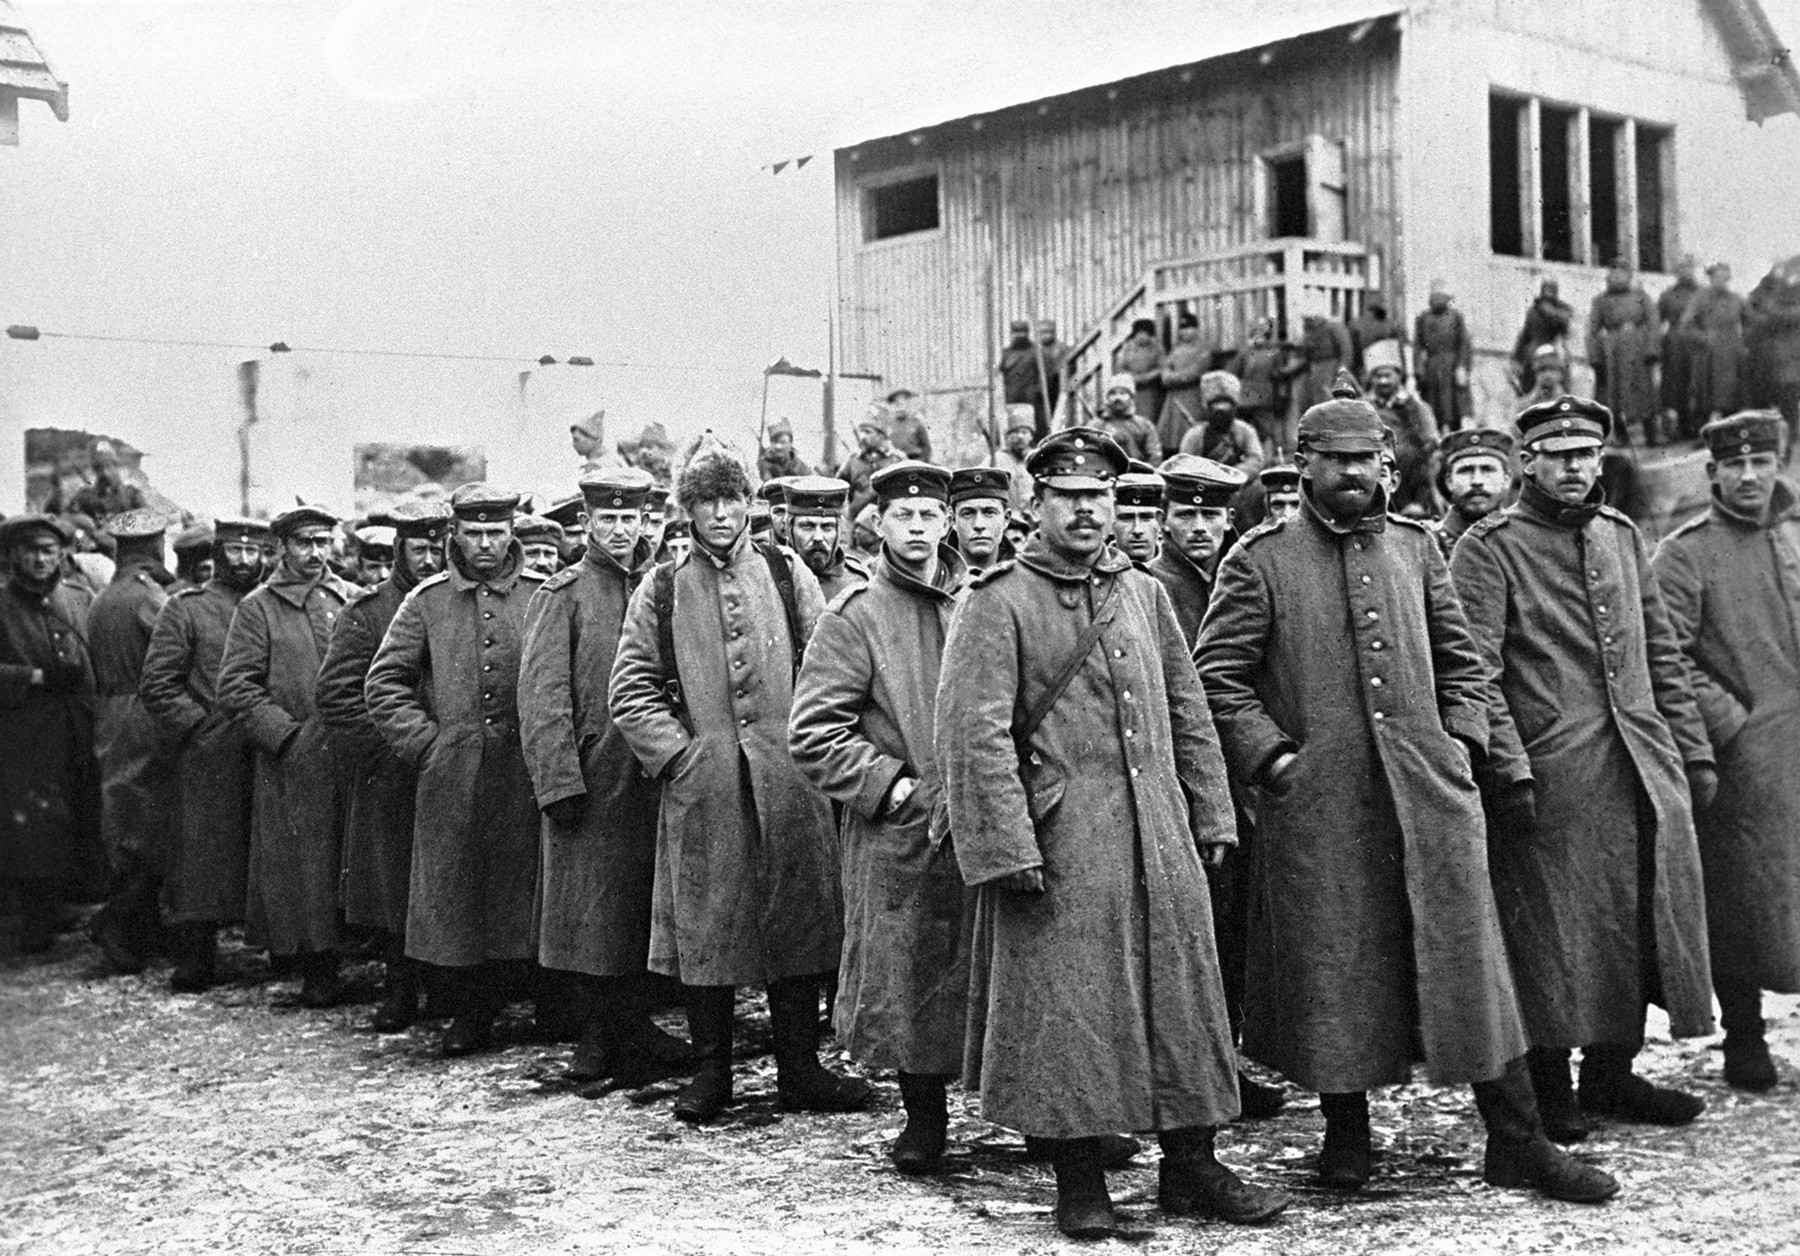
(136, 771)
(1731, 579)
(1082, 777)
(1621, 344)
(1347, 689)
(268, 679)
(443, 690)
(747, 886)
(208, 870)
(379, 786)
(861, 731)
(599, 809)
(1596, 744)
(49, 784)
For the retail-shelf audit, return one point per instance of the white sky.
(509, 177)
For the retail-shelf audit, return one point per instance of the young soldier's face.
(1568, 475)
(1746, 483)
(979, 525)
(615, 531)
(1198, 531)
(305, 551)
(718, 522)
(1138, 531)
(422, 556)
(1476, 484)
(1284, 505)
(37, 556)
(483, 545)
(913, 529)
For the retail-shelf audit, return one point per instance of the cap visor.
(1572, 440)
(1076, 483)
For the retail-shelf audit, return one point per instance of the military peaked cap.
(615, 488)
(909, 481)
(1565, 422)
(969, 483)
(17, 528)
(1139, 486)
(136, 525)
(289, 522)
(482, 503)
(416, 520)
(1746, 432)
(1077, 459)
(1283, 477)
(375, 541)
(240, 532)
(197, 536)
(1190, 480)
(1343, 425)
(815, 495)
(1467, 442)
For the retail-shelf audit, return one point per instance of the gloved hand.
(63, 677)
(1703, 786)
(1514, 810)
(566, 813)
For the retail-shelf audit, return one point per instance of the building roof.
(1762, 65)
(24, 70)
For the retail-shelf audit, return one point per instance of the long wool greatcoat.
(378, 785)
(1589, 699)
(1733, 590)
(596, 883)
(1370, 909)
(443, 690)
(1095, 1006)
(1190, 588)
(207, 874)
(49, 783)
(862, 718)
(136, 773)
(267, 680)
(746, 861)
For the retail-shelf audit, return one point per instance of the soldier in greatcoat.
(747, 888)
(136, 770)
(443, 691)
(1197, 514)
(207, 873)
(1083, 780)
(814, 505)
(979, 497)
(1138, 514)
(379, 786)
(49, 783)
(1348, 691)
(861, 731)
(599, 808)
(268, 680)
(1474, 477)
(1597, 757)
(1731, 579)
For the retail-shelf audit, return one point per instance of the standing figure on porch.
(1446, 353)
(1141, 357)
(1547, 322)
(1187, 362)
(1678, 350)
(1714, 322)
(1621, 345)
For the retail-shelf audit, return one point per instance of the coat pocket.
(1044, 787)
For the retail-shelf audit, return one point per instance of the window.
(1303, 190)
(1287, 196)
(901, 207)
(1568, 184)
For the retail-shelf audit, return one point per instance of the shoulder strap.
(1035, 716)
(662, 595)
(783, 576)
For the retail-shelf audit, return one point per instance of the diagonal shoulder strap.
(1035, 716)
(662, 596)
(783, 575)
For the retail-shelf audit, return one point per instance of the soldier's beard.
(240, 576)
(1473, 506)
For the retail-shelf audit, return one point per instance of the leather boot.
(920, 1147)
(37, 915)
(1610, 1088)
(592, 1060)
(1084, 1210)
(400, 982)
(1345, 1159)
(1257, 1102)
(560, 1005)
(319, 987)
(472, 1028)
(1519, 1154)
(1192, 1182)
(801, 1082)
(1748, 1065)
(197, 957)
(1561, 1115)
(709, 1011)
(643, 1052)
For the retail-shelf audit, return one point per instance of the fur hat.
(711, 470)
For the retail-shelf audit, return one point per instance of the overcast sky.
(506, 177)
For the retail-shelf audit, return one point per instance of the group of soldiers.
(1079, 814)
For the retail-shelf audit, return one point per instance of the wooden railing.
(1228, 292)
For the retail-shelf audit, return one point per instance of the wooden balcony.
(1228, 292)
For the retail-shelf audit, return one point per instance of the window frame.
(865, 210)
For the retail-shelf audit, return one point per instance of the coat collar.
(1784, 504)
(1038, 556)
(951, 573)
(738, 548)
(1539, 506)
(1374, 519)
(295, 589)
(502, 582)
(605, 563)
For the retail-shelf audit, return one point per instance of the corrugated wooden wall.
(1073, 199)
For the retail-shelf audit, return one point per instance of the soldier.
(656, 520)
(1597, 761)
(268, 681)
(208, 870)
(49, 826)
(193, 557)
(779, 457)
(1120, 420)
(677, 540)
(873, 452)
(136, 772)
(599, 809)
(378, 785)
(443, 691)
(374, 554)
(541, 541)
(1474, 470)
(1220, 434)
(1281, 492)
(775, 493)
(1197, 513)
(815, 506)
(1137, 516)
(565, 513)
(978, 500)
(1015, 449)
(1731, 579)
(1346, 688)
(1415, 430)
(861, 731)
(1082, 785)
(747, 874)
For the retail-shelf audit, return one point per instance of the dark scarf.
(1558, 513)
